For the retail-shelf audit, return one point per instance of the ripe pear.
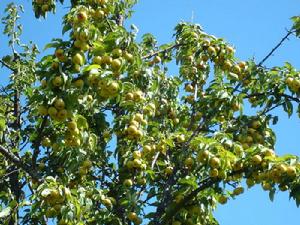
(78, 59)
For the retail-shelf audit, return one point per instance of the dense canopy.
(98, 132)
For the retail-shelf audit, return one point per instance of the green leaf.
(90, 67)
(46, 192)
(298, 109)
(50, 179)
(81, 122)
(272, 194)
(170, 142)
(51, 45)
(66, 28)
(124, 202)
(191, 181)
(150, 215)
(275, 120)
(13, 204)
(5, 212)
(295, 194)
(2, 123)
(92, 141)
(101, 123)
(288, 107)
(286, 157)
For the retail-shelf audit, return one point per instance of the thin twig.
(161, 51)
(8, 174)
(154, 160)
(266, 110)
(289, 32)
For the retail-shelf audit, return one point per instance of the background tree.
(106, 136)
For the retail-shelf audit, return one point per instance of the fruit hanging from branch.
(113, 138)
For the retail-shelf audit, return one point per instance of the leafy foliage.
(99, 133)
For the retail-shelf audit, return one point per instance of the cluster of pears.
(58, 82)
(280, 174)
(268, 171)
(265, 169)
(100, 11)
(214, 162)
(239, 69)
(85, 167)
(105, 87)
(136, 175)
(191, 214)
(275, 172)
(56, 110)
(192, 69)
(155, 60)
(81, 19)
(80, 35)
(148, 150)
(193, 65)
(43, 6)
(150, 109)
(108, 88)
(253, 135)
(114, 60)
(293, 84)
(222, 55)
(54, 200)
(76, 56)
(215, 51)
(73, 135)
(271, 172)
(136, 162)
(190, 88)
(194, 93)
(134, 130)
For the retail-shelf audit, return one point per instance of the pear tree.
(98, 132)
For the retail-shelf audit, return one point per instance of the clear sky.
(254, 27)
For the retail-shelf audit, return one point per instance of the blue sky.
(254, 27)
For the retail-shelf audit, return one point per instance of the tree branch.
(120, 20)
(269, 109)
(274, 94)
(172, 179)
(9, 173)
(17, 162)
(291, 31)
(37, 142)
(7, 65)
(161, 51)
(204, 184)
